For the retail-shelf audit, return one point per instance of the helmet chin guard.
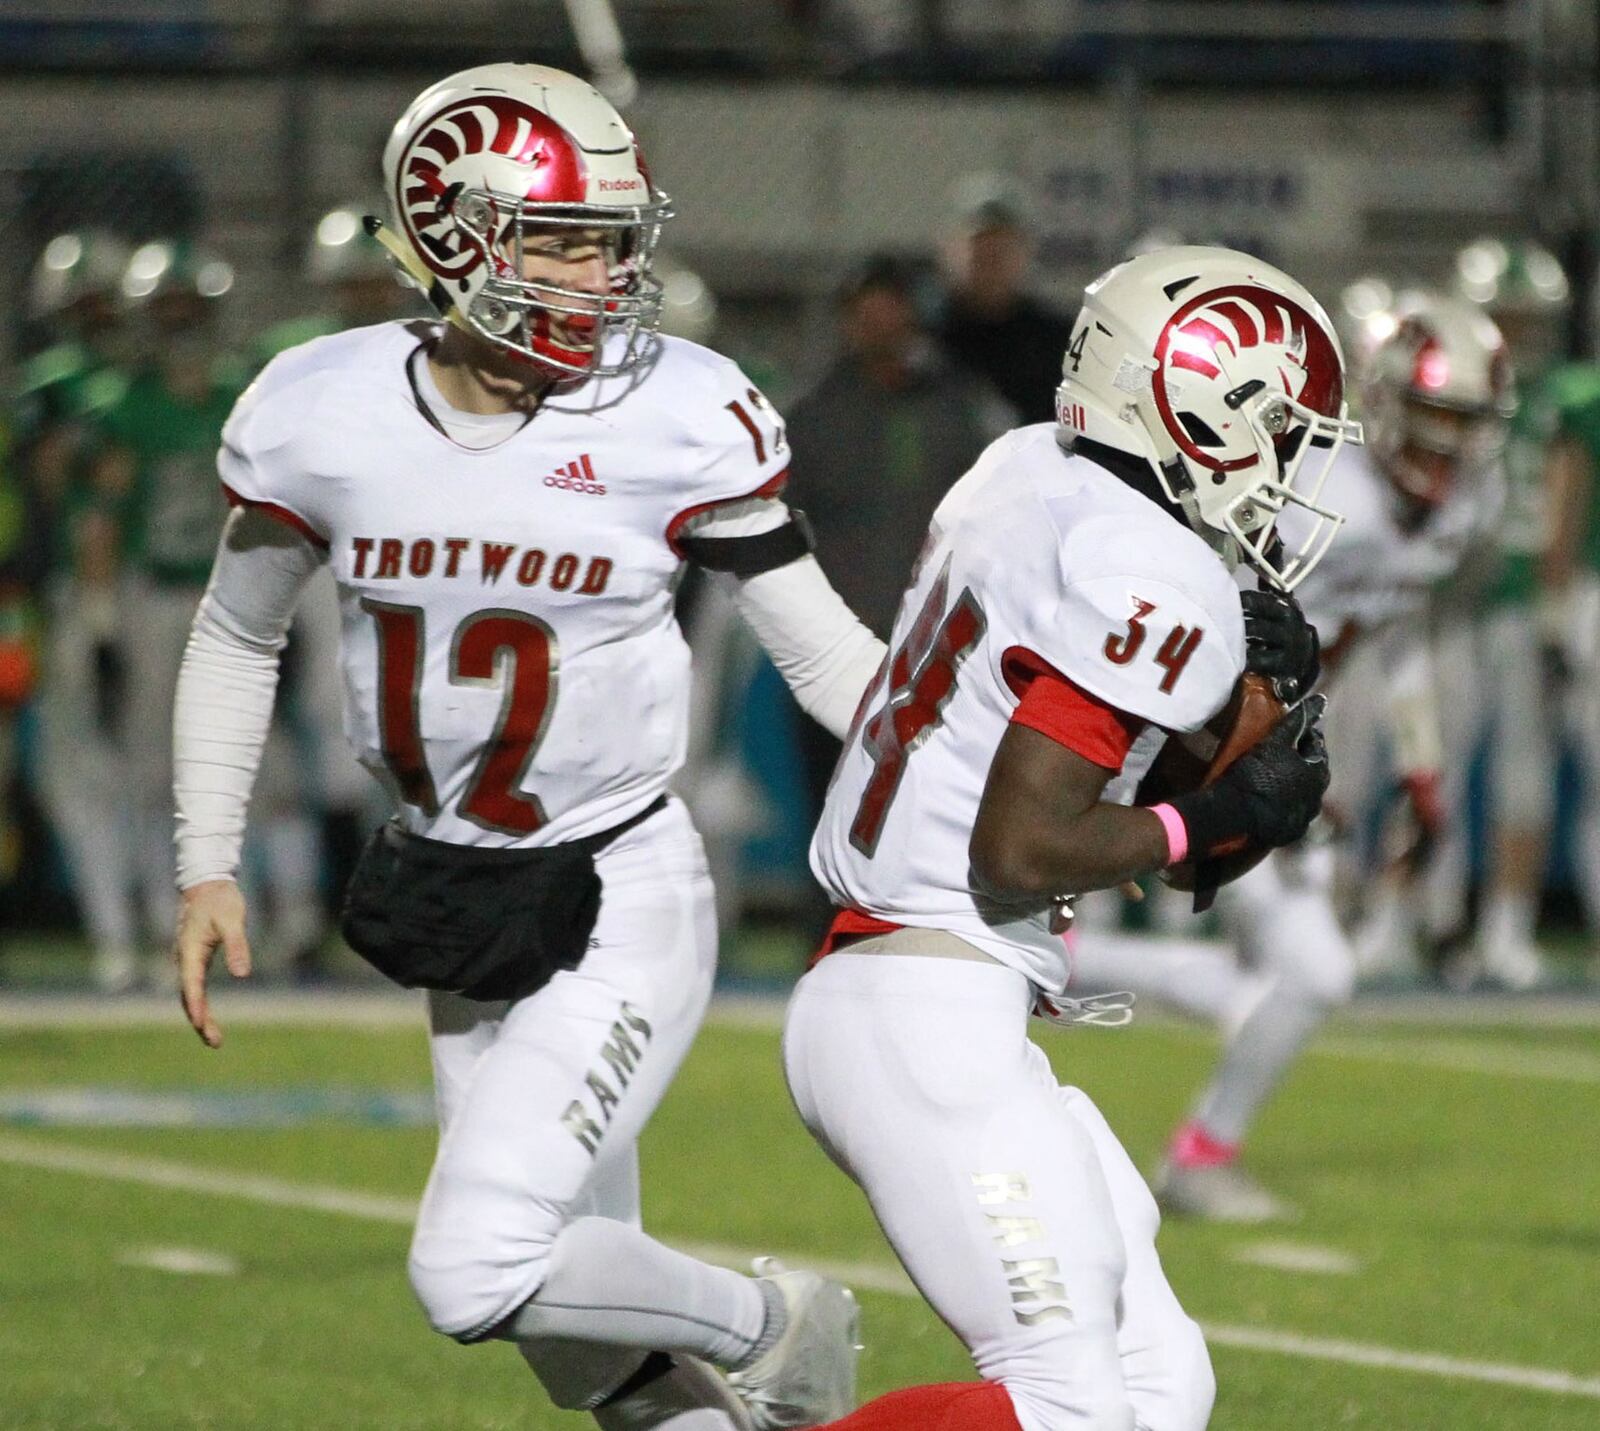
(491, 155)
(1226, 376)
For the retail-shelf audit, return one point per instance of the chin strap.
(413, 268)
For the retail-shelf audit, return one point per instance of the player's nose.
(590, 275)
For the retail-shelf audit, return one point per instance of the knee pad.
(465, 1283)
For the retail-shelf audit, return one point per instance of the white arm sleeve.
(821, 650)
(226, 686)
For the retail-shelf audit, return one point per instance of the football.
(1194, 760)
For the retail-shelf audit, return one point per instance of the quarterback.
(507, 500)
(1073, 605)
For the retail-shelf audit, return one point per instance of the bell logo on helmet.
(1237, 337)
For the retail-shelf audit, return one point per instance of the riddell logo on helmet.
(608, 186)
(577, 477)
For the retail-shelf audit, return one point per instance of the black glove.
(1266, 798)
(1279, 642)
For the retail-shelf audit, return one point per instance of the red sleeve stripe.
(771, 488)
(278, 514)
(1068, 714)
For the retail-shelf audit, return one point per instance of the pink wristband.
(1177, 832)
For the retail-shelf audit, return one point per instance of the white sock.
(1509, 920)
(608, 1282)
(1256, 1060)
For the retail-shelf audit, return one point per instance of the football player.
(1502, 656)
(507, 500)
(1415, 499)
(74, 298)
(139, 525)
(1074, 597)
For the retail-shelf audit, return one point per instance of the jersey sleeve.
(739, 464)
(1147, 623)
(261, 461)
(1066, 713)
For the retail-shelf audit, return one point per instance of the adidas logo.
(577, 477)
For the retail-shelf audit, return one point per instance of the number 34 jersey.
(513, 668)
(1040, 565)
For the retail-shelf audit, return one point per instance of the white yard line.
(157, 1172)
(1302, 1258)
(1562, 1065)
(186, 1177)
(1527, 1378)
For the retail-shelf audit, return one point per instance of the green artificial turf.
(1469, 1201)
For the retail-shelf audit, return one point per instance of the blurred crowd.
(110, 511)
(113, 511)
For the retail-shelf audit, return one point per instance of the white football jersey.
(1037, 560)
(1376, 572)
(513, 669)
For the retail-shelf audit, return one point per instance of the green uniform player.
(1570, 600)
(139, 520)
(351, 277)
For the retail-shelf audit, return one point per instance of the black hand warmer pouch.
(484, 923)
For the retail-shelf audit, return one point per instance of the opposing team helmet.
(1519, 276)
(1226, 376)
(1437, 394)
(175, 268)
(490, 153)
(87, 264)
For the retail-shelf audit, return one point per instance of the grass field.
(252, 1276)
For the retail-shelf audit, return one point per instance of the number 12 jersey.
(514, 671)
(1040, 567)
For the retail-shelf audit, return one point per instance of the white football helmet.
(492, 151)
(1437, 394)
(1224, 374)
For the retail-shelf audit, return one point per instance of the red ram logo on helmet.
(1230, 337)
(554, 171)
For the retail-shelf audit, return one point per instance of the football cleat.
(808, 1376)
(1220, 1193)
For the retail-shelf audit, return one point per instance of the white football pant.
(541, 1103)
(1004, 1194)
